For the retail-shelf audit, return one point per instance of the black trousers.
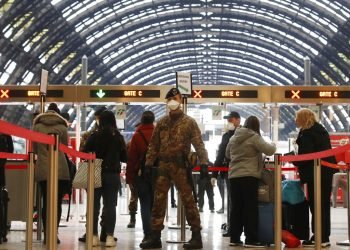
(2, 173)
(326, 189)
(61, 188)
(205, 185)
(244, 211)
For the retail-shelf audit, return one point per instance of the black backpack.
(69, 185)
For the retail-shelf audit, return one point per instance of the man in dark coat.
(234, 121)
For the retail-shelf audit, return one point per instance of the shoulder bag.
(81, 177)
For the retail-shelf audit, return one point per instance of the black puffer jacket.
(312, 140)
(109, 146)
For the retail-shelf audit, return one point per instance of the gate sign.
(217, 112)
(184, 82)
(120, 112)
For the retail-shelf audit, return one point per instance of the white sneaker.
(325, 244)
(110, 242)
(95, 241)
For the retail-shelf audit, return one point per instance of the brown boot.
(195, 242)
(132, 221)
(153, 241)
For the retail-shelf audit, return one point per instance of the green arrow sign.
(100, 93)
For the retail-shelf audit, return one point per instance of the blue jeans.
(109, 193)
(145, 193)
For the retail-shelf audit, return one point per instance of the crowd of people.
(157, 157)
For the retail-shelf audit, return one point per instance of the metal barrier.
(90, 205)
(29, 225)
(317, 203)
(52, 193)
(278, 202)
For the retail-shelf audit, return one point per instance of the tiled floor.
(129, 239)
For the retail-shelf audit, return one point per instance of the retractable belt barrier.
(54, 147)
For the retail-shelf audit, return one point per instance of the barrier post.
(181, 222)
(38, 207)
(347, 242)
(30, 194)
(278, 202)
(90, 205)
(317, 203)
(52, 190)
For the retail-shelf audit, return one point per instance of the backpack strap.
(143, 137)
(142, 167)
(69, 202)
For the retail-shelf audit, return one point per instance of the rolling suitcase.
(295, 219)
(4, 199)
(266, 223)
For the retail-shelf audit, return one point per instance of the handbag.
(266, 188)
(81, 177)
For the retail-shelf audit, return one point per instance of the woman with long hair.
(108, 145)
(313, 137)
(245, 150)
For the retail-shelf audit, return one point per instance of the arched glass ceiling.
(145, 42)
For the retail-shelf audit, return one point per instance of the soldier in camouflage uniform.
(170, 145)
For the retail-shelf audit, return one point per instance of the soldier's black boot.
(153, 241)
(195, 242)
(132, 221)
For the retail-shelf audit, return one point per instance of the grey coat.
(46, 123)
(245, 150)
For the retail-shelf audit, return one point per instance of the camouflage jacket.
(172, 139)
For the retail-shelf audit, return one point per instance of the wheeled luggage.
(295, 219)
(266, 223)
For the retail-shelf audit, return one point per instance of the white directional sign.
(43, 82)
(184, 82)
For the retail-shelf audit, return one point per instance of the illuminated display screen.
(7, 93)
(224, 94)
(124, 93)
(303, 94)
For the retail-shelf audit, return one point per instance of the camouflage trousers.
(133, 199)
(168, 172)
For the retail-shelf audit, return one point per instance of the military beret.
(172, 92)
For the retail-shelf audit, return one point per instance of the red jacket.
(136, 150)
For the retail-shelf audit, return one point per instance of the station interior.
(266, 58)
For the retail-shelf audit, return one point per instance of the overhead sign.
(135, 93)
(43, 82)
(225, 94)
(20, 93)
(327, 94)
(184, 82)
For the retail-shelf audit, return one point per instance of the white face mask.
(173, 105)
(230, 126)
